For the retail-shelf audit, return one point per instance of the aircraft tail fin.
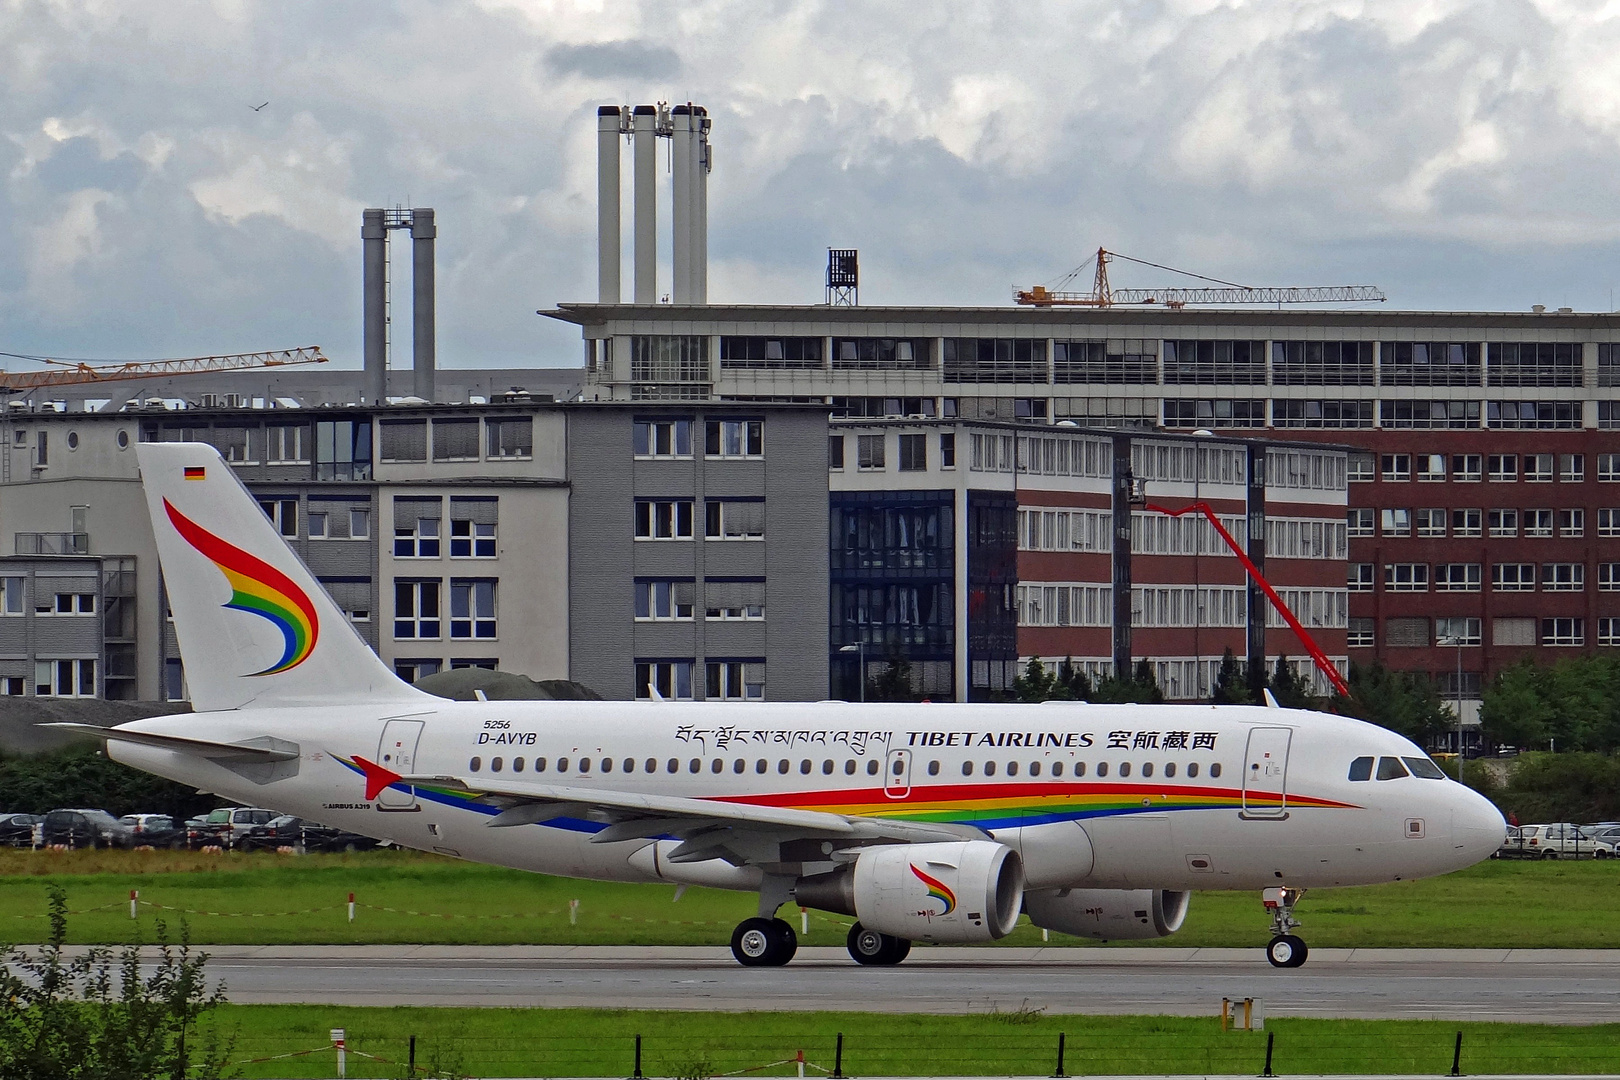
(256, 630)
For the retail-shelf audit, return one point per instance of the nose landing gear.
(1287, 949)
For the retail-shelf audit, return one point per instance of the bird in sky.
(256, 108)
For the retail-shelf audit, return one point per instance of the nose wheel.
(763, 943)
(1287, 949)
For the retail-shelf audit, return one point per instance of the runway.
(1549, 986)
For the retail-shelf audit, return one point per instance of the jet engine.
(951, 892)
(1108, 914)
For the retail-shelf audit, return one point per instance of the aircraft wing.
(263, 749)
(707, 825)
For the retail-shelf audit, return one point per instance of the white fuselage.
(1256, 797)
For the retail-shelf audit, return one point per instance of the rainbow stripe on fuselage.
(258, 588)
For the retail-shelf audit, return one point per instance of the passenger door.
(396, 751)
(1265, 773)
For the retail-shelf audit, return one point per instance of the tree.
(1403, 701)
(1571, 705)
(1038, 684)
(1291, 690)
(1076, 683)
(892, 682)
(1140, 687)
(1231, 683)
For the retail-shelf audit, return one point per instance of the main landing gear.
(763, 943)
(871, 947)
(1287, 949)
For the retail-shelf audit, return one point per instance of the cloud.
(614, 60)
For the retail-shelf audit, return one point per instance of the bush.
(81, 775)
(1548, 787)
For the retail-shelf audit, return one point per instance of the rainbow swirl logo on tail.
(937, 890)
(259, 588)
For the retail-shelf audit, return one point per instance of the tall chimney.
(423, 323)
(645, 222)
(681, 166)
(374, 276)
(609, 126)
(698, 257)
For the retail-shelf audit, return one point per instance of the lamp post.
(859, 647)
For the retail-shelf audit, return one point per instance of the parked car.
(1605, 833)
(1515, 845)
(85, 829)
(154, 830)
(226, 826)
(326, 838)
(17, 830)
(284, 831)
(1562, 840)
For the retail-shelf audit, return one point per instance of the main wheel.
(763, 943)
(871, 947)
(1287, 951)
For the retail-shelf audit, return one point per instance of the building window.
(510, 437)
(1563, 577)
(1359, 467)
(1608, 415)
(835, 452)
(1538, 468)
(947, 450)
(869, 450)
(666, 358)
(286, 444)
(343, 450)
(1608, 577)
(1395, 468)
(1406, 577)
(1215, 413)
(1359, 522)
(1609, 522)
(473, 521)
(663, 438)
(1572, 522)
(11, 595)
(412, 670)
(1563, 415)
(1419, 363)
(1502, 468)
(734, 438)
(1406, 633)
(234, 443)
(1428, 414)
(1513, 577)
(1608, 632)
(455, 440)
(318, 525)
(1431, 523)
(1465, 522)
(1457, 577)
(1361, 633)
(1534, 363)
(1457, 630)
(733, 520)
(995, 360)
(416, 610)
(472, 608)
(1572, 468)
(64, 678)
(664, 601)
(66, 603)
(1322, 363)
(1360, 577)
(913, 453)
(416, 528)
(1136, 361)
(1467, 468)
(1513, 631)
(1608, 468)
(1396, 522)
(1538, 523)
(735, 680)
(485, 663)
(283, 513)
(664, 519)
(1563, 632)
(403, 441)
(672, 679)
(1504, 523)
(880, 354)
(770, 352)
(731, 601)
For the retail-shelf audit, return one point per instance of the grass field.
(581, 1042)
(277, 899)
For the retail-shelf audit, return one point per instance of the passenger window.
(1057, 769)
(629, 765)
(739, 766)
(671, 766)
(652, 765)
(475, 764)
(849, 767)
(517, 764)
(1012, 768)
(1079, 769)
(1192, 770)
(585, 764)
(562, 765)
(1423, 767)
(1214, 769)
(933, 768)
(967, 767)
(1124, 768)
(1361, 768)
(495, 764)
(1147, 768)
(989, 768)
(1102, 768)
(717, 766)
(762, 766)
(539, 764)
(1169, 770)
(1034, 768)
(804, 767)
(1390, 768)
(694, 766)
(782, 767)
(827, 767)
(872, 767)
(607, 764)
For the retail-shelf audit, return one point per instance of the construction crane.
(77, 372)
(1103, 295)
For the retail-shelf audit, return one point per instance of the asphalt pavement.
(1550, 986)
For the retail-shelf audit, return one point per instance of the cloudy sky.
(1458, 153)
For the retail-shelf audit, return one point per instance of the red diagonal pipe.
(1317, 655)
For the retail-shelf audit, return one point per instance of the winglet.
(377, 777)
(1271, 702)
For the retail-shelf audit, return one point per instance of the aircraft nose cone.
(1477, 825)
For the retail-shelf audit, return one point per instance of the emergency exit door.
(396, 751)
(897, 774)
(1265, 773)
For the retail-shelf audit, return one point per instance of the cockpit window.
(1390, 768)
(1361, 768)
(1422, 766)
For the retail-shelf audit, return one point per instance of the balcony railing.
(53, 543)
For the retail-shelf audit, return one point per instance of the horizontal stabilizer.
(262, 749)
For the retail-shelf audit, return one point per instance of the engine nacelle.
(952, 892)
(1108, 914)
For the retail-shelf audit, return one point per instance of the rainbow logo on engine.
(937, 890)
(258, 588)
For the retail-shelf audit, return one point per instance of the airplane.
(935, 823)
